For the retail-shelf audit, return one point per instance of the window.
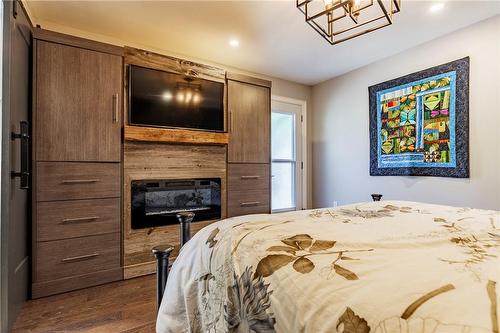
(285, 156)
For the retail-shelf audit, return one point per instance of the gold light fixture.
(341, 20)
(187, 92)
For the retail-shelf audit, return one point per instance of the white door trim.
(303, 157)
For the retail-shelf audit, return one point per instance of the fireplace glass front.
(156, 202)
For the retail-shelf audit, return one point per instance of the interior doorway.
(288, 145)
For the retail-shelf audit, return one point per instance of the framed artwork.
(419, 123)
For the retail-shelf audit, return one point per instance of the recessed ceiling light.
(436, 7)
(233, 42)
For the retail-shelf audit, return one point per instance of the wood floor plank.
(123, 307)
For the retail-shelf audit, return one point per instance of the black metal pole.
(185, 219)
(161, 253)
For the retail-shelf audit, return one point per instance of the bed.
(383, 267)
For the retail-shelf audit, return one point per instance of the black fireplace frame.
(143, 216)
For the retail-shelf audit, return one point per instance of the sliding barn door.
(15, 180)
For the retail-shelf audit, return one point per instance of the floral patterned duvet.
(379, 267)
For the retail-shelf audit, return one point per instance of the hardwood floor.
(121, 307)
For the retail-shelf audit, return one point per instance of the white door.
(286, 155)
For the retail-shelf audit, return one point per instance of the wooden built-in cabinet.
(77, 120)
(249, 108)
(79, 96)
(249, 123)
(83, 167)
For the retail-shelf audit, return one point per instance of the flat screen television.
(162, 99)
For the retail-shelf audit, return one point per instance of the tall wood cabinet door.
(78, 104)
(249, 123)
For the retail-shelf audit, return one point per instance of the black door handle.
(24, 136)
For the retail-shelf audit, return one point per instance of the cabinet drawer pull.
(80, 181)
(249, 204)
(115, 108)
(77, 258)
(250, 177)
(79, 220)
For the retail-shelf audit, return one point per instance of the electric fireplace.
(156, 202)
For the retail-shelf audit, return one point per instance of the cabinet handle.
(77, 258)
(79, 220)
(249, 204)
(250, 177)
(115, 108)
(80, 181)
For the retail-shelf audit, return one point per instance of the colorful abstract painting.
(419, 123)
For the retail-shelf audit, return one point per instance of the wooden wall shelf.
(173, 135)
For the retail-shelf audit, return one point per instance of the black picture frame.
(461, 170)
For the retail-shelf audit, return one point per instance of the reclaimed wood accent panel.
(249, 125)
(143, 263)
(174, 135)
(133, 56)
(172, 64)
(78, 104)
(163, 161)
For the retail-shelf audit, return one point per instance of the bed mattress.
(389, 266)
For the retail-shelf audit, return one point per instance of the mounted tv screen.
(163, 99)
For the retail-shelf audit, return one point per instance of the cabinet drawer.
(77, 218)
(77, 256)
(70, 180)
(248, 177)
(245, 202)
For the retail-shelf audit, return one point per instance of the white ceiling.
(274, 39)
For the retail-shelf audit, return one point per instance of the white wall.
(340, 135)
